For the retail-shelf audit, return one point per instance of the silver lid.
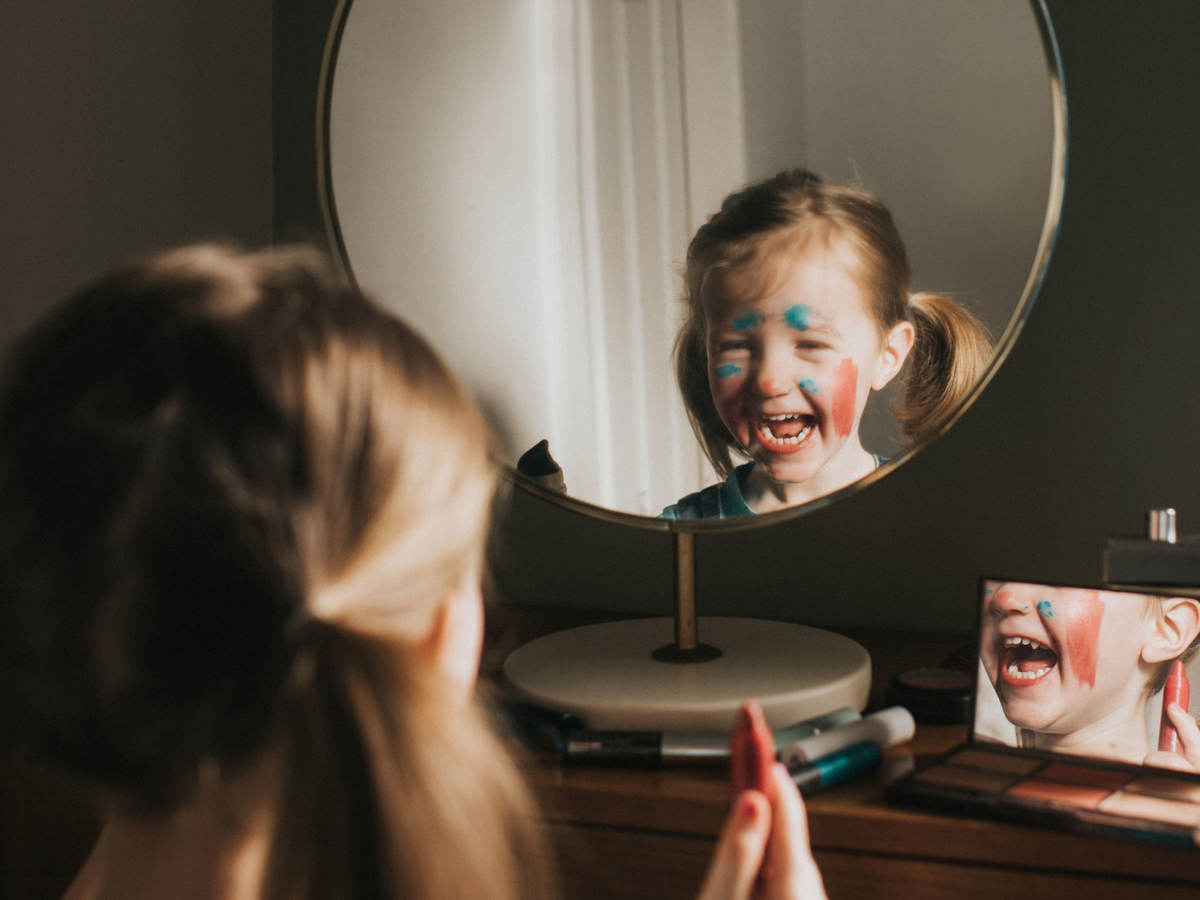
(1161, 525)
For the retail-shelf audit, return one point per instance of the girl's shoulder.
(723, 500)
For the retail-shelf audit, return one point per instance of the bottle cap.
(1161, 525)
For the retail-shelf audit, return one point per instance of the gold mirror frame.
(682, 527)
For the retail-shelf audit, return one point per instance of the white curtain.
(519, 180)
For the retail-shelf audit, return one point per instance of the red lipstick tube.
(1176, 690)
(751, 750)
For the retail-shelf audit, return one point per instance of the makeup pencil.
(1176, 690)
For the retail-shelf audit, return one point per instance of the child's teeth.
(785, 417)
(1028, 676)
(1020, 641)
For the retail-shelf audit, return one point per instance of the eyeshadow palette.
(1105, 798)
(1071, 727)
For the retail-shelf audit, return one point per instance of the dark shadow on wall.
(299, 31)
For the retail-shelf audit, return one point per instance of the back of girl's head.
(779, 218)
(232, 487)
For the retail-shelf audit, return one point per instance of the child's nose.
(774, 376)
(1005, 601)
(773, 387)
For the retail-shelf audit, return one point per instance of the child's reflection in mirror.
(797, 310)
(1075, 669)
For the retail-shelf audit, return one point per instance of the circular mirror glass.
(521, 179)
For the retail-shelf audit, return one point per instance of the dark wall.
(299, 29)
(1094, 418)
(125, 127)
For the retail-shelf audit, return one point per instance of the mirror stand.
(629, 675)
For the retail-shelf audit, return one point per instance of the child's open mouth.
(1024, 660)
(784, 433)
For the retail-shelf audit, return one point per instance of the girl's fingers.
(789, 870)
(1188, 731)
(740, 848)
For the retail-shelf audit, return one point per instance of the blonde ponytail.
(244, 489)
(384, 778)
(947, 361)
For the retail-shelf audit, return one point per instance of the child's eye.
(810, 345)
(732, 345)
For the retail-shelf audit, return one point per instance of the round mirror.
(520, 180)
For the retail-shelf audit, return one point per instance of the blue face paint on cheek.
(1046, 608)
(728, 370)
(797, 317)
(809, 386)
(749, 320)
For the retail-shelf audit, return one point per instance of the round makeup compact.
(937, 696)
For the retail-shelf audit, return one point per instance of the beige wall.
(941, 108)
(125, 127)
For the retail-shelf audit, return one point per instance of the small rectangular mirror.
(1088, 672)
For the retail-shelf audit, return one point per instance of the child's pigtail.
(951, 351)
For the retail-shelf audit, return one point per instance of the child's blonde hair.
(952, 347)
(197, 453)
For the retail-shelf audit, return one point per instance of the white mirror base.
(605, 674)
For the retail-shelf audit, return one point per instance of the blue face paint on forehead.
(728, 370)
(797, 317)
(809, 386)
(749, 320)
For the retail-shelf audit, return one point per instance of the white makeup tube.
(887, 728)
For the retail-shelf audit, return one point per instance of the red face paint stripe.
(845, 391)
(1082, 636)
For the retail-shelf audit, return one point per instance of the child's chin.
(786, 470)
(1030, 719)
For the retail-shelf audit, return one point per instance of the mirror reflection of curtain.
(627, 189)
(536, 192)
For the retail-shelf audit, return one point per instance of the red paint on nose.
(1083, 634)
(771, 387)
(845, 390)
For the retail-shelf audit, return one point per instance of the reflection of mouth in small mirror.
(1084, 671)
(797, 310)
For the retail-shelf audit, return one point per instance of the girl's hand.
(763, 851)
(1188, 758)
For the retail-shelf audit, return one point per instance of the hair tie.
(300, 630)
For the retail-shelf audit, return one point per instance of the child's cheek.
(727, 384)
(845, 396)
(1082, 625)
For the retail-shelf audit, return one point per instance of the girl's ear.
(1176, 625)
(896, 346)
(455, 638)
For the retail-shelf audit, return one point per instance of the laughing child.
(797, 308)
(1074, 669)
